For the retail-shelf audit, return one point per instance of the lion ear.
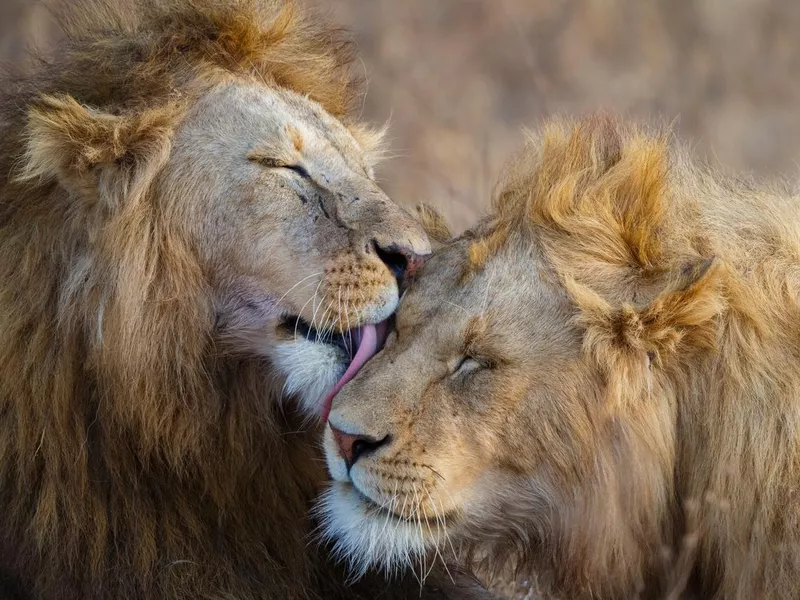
(434, 224)
(372, 141)
(93, 153)
(681, 316)
(684, 313)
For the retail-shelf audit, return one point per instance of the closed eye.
(274, 163)
(299, 169)
(469, 364)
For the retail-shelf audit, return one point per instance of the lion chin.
(597, 385)
(364, 534)
(311, 371)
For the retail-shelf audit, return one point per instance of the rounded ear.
(682, 315)
(434, 224)
(372, 141)
(93, 153)
(627, 341)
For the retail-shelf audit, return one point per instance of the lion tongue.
(369, 339)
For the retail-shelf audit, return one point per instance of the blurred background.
(459, 79)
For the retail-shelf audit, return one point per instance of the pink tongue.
(370, 339)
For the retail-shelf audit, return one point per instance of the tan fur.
(434, 224)
(146, 263)
(599, 383)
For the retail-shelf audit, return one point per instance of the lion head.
(190, 230)
(587, 382)
(243, 146)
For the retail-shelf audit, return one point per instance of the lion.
(599, 383)
(193, 250)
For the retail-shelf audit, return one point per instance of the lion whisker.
(297, 321)
(322, 332)
(441, 530)
(299, 314)
(316, 307)
(444, 516)
(298, 283)
(419, 512)
(330, 330)
(457, 306)
(348, 343)
(339, 301)
(390, 510)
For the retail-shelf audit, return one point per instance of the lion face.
(301, 245)
(466, 403)
(273, 199)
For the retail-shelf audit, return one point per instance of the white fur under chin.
(311, 370)
(363, 539)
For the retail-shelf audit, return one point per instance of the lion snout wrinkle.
(389, 226)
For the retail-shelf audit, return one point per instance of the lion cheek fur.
(141, 458)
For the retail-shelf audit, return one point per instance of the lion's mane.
(137, 459)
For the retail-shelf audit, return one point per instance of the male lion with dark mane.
(189, 226)
(599, 383)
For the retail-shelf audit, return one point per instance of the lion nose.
(403, 262)
(353, 446)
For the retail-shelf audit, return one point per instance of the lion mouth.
(298, 327)
(358, 345)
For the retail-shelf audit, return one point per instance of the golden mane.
(697, 271)
(117, 54)
(597, 177)
(623, 418)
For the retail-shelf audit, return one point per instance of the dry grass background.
(461, 78)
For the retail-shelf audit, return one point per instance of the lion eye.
(468, 364)
(300, 170)
(274, 163)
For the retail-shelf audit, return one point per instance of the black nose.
(404, 263)
(352, 447)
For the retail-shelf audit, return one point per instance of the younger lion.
(602, 373)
